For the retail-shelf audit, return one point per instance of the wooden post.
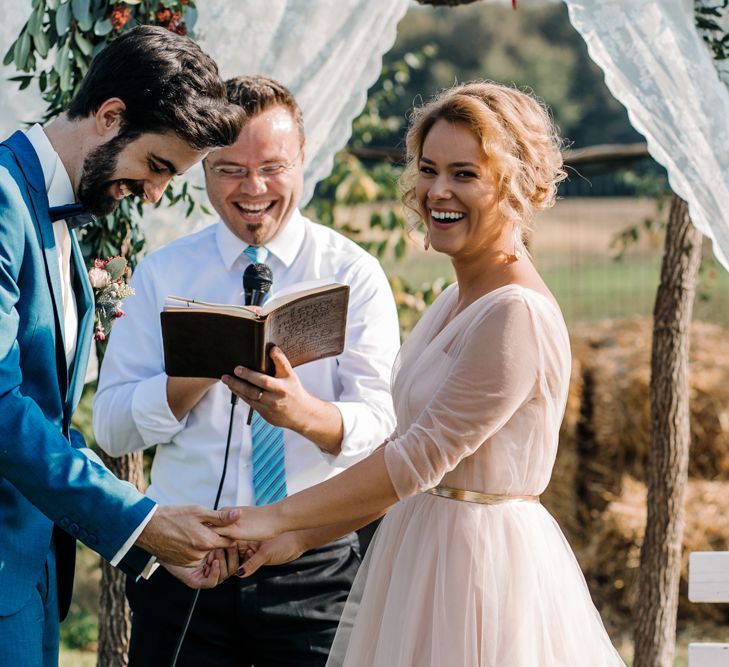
(667, 469)
(115, 622)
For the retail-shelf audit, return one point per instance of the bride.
(467, 567)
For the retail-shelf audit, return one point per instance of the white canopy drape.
(657, 65)
(327, 52)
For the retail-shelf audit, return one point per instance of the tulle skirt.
(447, 583)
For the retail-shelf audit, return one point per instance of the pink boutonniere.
(108, 278)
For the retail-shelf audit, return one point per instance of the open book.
(307, 321)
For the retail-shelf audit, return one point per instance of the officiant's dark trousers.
(282, 616)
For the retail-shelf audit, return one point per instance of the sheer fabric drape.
(328, 52)
(657, 65)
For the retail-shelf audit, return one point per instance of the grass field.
(571, 246)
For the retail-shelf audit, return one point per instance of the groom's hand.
(184, 535)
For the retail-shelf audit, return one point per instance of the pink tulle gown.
(479, 399)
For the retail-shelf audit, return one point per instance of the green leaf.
(66, 74)
(22, 51)
(41, 44)
(42, 81)
(81, 62)
(84, 45)
(116, 267)
(61, 57)
(10, 55)
(63, 19)
(102, 27)
(80, 9)
(400, 248)
(189, 16)
(23, 79)
(87, 23)
(35, 22)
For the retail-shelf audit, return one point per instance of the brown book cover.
(209, 340)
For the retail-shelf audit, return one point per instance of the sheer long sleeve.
(495, 369)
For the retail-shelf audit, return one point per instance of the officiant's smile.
(255, 185)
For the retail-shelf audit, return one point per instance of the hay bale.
(561, 496)
(620, 424)
(610, 557)
(615, 436)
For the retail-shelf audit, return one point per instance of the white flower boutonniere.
(108, 278)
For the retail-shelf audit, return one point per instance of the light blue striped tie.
(269, 474)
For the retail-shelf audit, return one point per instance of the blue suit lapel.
(85, 306)
(30, 165)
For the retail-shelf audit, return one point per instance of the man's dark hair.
(256, 94)
(167, 83)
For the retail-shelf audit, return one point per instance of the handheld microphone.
(257, 281)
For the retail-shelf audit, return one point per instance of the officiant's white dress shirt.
(131, 410)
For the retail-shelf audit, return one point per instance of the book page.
(311, 328)
(177, 303)
(295, 291)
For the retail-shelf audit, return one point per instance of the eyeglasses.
(267, 171)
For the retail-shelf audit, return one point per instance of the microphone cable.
(193, 602)
(257, 281)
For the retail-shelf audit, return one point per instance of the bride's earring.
(426, 241)
(517, 245)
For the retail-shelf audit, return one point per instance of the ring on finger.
(260, 395)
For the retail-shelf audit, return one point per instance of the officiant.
(308, 425)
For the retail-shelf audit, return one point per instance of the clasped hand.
(255, 544)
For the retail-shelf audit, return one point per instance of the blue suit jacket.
(45, 476)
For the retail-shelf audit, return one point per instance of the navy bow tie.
(73, 214)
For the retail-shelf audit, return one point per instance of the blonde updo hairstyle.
(519, 141)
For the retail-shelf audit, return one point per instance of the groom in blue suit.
(151, 105)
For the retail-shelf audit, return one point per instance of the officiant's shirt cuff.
(151, 413)
(360, 426)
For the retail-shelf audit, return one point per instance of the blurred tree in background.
(533, 46)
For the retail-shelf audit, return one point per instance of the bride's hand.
(276, 551)
(253, 524)
(215, 568)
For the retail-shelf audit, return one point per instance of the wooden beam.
(601, 154)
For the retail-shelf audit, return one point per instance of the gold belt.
(477, 497)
